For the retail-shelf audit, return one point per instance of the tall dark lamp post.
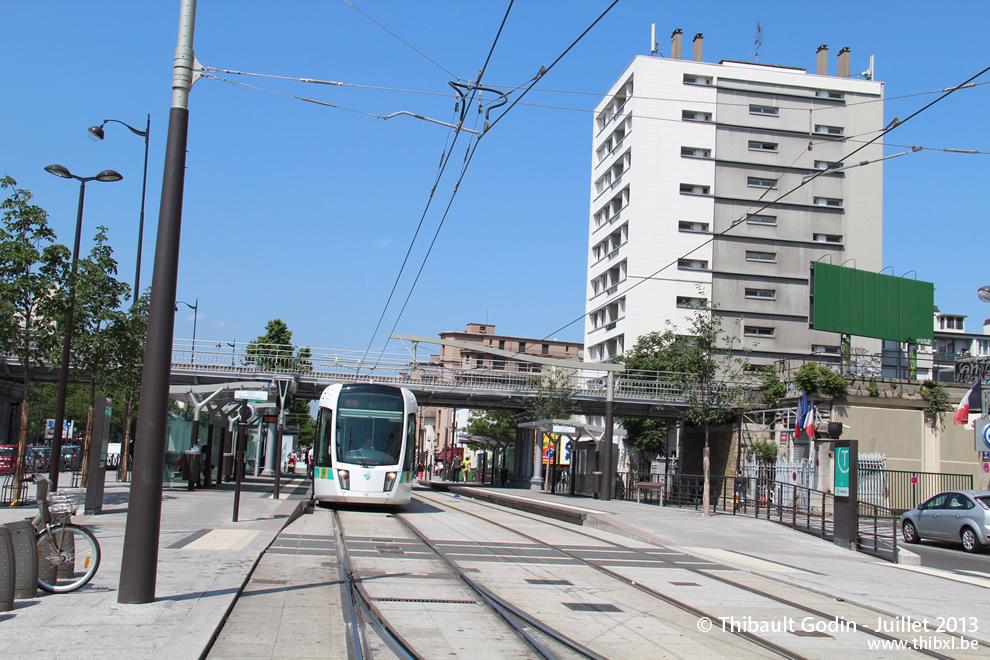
(195, 309)
(96, 133)
(63, 376)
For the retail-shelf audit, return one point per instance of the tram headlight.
(390, 480)
(345, 479)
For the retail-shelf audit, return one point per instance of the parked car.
(71, 458)
(961, 516)
(7, 458)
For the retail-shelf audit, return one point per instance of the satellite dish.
(984, 293)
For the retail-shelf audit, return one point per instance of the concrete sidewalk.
(204, 561)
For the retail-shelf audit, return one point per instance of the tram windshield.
(369, 429)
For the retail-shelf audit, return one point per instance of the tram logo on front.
(367, 476)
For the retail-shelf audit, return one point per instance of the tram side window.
(322, 455)
(409, 461)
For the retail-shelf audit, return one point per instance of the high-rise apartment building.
(696, 197)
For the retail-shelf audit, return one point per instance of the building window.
(757, 331)
(522, 347)
(827, 238)
(826, 165)
(692, 264)
(756, 145)
(695, 115)
(829, 94)
(691, 189)
(692, 227)
(830, 350)
(691, 79)
(766, 220)
(761, 294)
(695, 152)
(768, 257)
(546, 349)
(822, 129)
(759, 182)
(501, 344)
(828, 201)
(767, 110)
(686, 302)
(983, 346)
(952, 323)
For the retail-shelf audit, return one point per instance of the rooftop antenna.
(868, 74)
(758, 41)
(654, 46)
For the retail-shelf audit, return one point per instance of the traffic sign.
(986, 467)
(251, 395)
(982, 435)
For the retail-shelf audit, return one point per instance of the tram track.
(852, 620)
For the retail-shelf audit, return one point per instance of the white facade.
(685, 154)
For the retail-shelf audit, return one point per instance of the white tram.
(365, 447)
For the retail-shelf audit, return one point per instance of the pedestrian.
(309, 462)
(466, 470)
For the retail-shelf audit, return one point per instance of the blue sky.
(305, 212)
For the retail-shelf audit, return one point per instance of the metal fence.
(799, 507)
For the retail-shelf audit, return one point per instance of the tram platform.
(759, 546)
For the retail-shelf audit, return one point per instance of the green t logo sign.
(841, 471)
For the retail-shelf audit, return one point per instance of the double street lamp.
(96, 133)
(63, 376)
(195, 309)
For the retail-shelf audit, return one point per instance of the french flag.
(971, 400)
(809, 422)
(802, 413)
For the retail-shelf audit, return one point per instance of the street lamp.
(63, 376)
(195, 309)
(96, 133)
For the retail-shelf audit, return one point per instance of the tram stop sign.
(982, 435)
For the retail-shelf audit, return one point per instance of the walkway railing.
(799, 507)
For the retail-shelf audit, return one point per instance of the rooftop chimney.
(675, 44)
(844, 62)
(698, 40)
(822, 68)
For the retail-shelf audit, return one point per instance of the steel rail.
(708, 574)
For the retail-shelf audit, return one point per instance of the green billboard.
(868, 304)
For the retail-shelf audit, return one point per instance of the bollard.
(25, 548)
(6, 571)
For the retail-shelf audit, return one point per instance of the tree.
(273, 351)
(492, 423)
(130, 337)
(99, 324)
(710, 381)
(554, 395)
(33, 272)
(655, 355)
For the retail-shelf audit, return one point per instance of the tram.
(365, 446)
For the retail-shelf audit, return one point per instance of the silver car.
(962, 516)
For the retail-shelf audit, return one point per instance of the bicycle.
(68, 554)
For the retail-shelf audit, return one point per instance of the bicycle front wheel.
(67, 558)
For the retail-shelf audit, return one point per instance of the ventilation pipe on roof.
(698, 40)
(844, 62)
(675, 44)
(822, 68)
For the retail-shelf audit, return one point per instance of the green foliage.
(554, 395)
(938, 401)
(647, 436)
(273, 351)
(773, 388)
(765, 451)
(872, 389)
(492, 423)
(816, 379)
